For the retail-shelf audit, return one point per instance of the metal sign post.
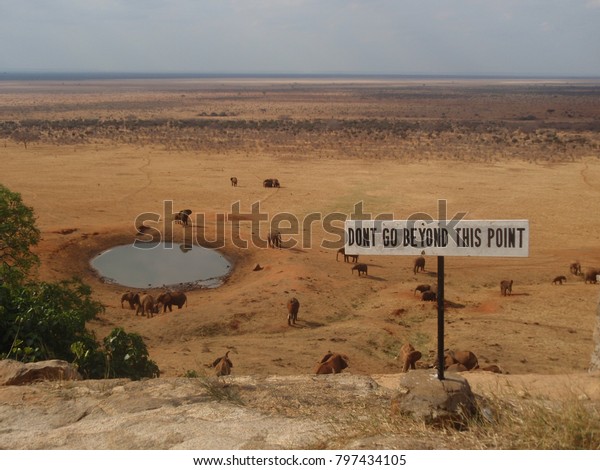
(499, 238)
(440, 318)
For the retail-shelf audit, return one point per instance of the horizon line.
(82, 74)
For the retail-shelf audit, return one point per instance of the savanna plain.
(91, 156)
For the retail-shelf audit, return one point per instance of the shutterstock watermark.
(257, 228)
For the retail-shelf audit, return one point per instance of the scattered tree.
(18, 234)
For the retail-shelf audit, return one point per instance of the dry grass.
(536, 424)
(499, 423)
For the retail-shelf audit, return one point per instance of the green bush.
(127, 356)
(47, 320)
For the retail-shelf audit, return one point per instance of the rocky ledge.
(341, 411)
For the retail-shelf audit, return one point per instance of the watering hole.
(160, 264)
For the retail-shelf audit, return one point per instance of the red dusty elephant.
(332, 363)
(168, 299)
(293, 306)
(223, 365)
(408, 357)
(147, 306)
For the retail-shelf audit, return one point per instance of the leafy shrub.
(41, 320)
(47, 320)
(127, 356)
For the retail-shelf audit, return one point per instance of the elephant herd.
(428, 293)
(590, 275)
(335, 363)
(183, 216)
(454, 361)
(146, 305)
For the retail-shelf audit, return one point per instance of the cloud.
(366, 36)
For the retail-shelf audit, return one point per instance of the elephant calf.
(361, 268)
(559, 280)
(234, 181)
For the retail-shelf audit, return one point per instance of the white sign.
(504, 238)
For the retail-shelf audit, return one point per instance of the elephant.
(168, 299)
(183, 216)
(590, 276)
(506, 287)
(274, 239)
(575, 268)
(422, 288)
(419, 265)
(350, 258)
(467, 359)
(271, 183)
(293, 305)
(347, 258)
(429, 296)
(361, 268)
(132, 297)
(408, 357)
(559, 280)
(234, 181)
(147, 306)
(223, 365)
(332, 363)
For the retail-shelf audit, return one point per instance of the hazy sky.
(483, 37)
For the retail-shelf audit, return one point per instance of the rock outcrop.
(19, 373)
(422, 396)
